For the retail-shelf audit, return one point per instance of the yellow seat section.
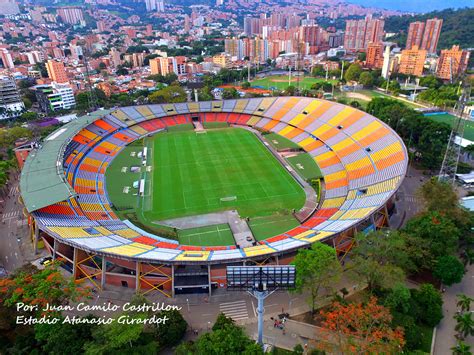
(265, 104)
(93, 162)
(122, 116)
(141, 131)
(342, 144)
(253, 120)
(370, 128)
(258, 250)
(286, 130)
(324, 156)
(317, 236)
(357, 213)
(387, 151)
(108, 145)
(240, 105)
(193, 107)
(131, 249)
(88, 134)
(79, 232)
(127, 233)
(375, 189)
(85, 182)
(144, 111)
(191, 255)
(321, 130)
(305, 142)
(333, 202)
(95, 207)
(365, 161)
(335, 176)
(169, 109)
(285, 109)
(304, 234)
(341, 116)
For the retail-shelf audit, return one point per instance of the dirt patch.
(357, 95)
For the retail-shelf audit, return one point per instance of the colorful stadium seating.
(362, 161)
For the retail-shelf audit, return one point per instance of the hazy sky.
(415, 5)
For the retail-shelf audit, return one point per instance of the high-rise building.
(335, 39)
(115, 57)
(9, 7)
(55, 97)
(452, 63)
(415, 34)
(10, 99)
(168, 65)
(374, 55)
(155, 5)
(6, 58)
(412, 61)
(431, 35)
(56, 71)
(359, 33)
(71, 15)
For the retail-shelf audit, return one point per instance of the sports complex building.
(66, 186)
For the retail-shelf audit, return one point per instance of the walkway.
(445, 332)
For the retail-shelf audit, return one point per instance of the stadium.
(161, 198)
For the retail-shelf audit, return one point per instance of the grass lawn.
(219, 170)
(450, 119)
(208, 236)
(426, 335)
(280, 82)
(119, 178)
(269, 226)
(211, 125)
(280, 142)
(305, 165)
(181, 127)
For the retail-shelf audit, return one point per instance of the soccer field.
(218, 170)
(208, 236)
(280, 82)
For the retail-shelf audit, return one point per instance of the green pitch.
(218, 170)
(280, 82)
(208, 236)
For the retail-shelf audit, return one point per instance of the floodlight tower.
(260, 282)
(453, 150)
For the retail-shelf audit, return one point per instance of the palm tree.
(461, 348)
(464, 302)
(465, 324)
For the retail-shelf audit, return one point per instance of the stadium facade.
(363, 162)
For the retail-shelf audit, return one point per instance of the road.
(14, 244)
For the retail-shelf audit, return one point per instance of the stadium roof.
(42, 180)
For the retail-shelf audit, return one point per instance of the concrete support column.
(55, 248)
(36, 229)
(386, 215)
(209, 278)
(172, 280)
(74, 263)
(137, 277)
(103, 271)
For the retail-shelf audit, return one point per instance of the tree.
(317, 269)
(170, 94)
(28, 116)
(439, 234)
(366, 79)
(290, 90)
(461, 348)
(449, 270)
(430, 303)
(379, 259)
(222, 321)
(171, 332)
(318, 71)
(399, 299)
(464, 302)
(245, 85)
(363, 328)
(353, 72)
(40, 287)
(53, 337)
(464, 324)
(230, 93)
(228, 340)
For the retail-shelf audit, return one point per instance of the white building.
(11, 104)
